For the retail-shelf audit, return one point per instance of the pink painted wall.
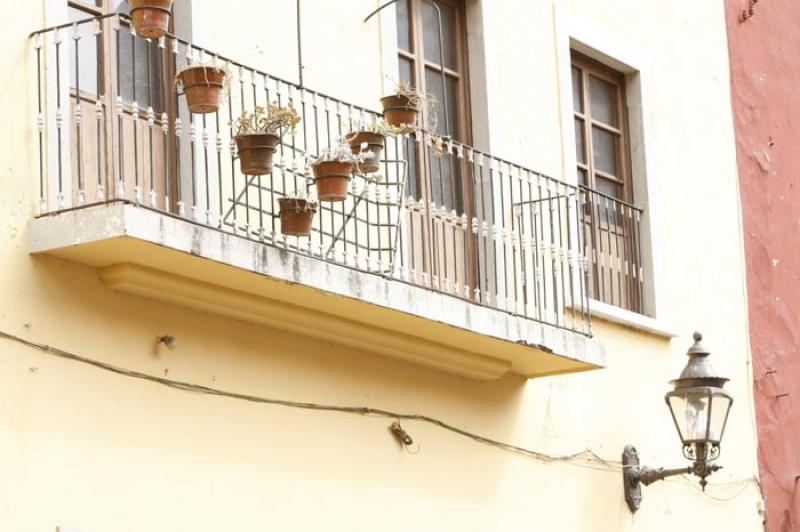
(765, 67)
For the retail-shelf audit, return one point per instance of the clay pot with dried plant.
(333, 170)
(256, 151)
(257, 135)
(297, 215)
(405, 109)
(399, 112)
(204, 86)
(150, 18)
(332, 179)
(370, 145)
(368, 140)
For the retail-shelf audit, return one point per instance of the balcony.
(487, 276)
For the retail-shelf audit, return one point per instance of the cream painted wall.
(98, 452)
(341, 54)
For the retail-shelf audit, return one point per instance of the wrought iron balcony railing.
(612, 242)
(439, 214)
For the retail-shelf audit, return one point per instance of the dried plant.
(341, 152)
(272, 120)
(425, 104)
(379, 127)
(416, 99)
(301, 190)
(301, 202)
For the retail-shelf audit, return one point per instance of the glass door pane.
(430, 33)
(404, 39)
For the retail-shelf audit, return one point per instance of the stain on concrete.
(354, 283)
(297, 271)
(197, 241)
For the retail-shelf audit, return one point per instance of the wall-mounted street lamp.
(699, 407)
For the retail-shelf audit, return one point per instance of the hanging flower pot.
(370, 145)
(255, 152)
(258, 133)
(150, 18)
(400, 111)
(297, 215)
(332, 179)
(333, 169)
(203, 86)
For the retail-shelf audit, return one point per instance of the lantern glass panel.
(691, 411)
(720, 405)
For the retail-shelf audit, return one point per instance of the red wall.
(765, 69)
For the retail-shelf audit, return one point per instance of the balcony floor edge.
(147, 253)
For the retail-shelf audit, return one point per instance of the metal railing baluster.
(151, 121)
(76, 37)
(59, 122)
(40, 124)
(177, 128)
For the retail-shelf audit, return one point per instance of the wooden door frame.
(597, 227)
(109, 85)
(420, 65)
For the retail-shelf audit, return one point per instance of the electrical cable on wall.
(586, 455)
(585, 459)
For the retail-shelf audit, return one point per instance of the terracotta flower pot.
(203, 88)
(332, 179)
(296, 216)
(150, 18)
(398, 112)
(255, 152)
(373, 152)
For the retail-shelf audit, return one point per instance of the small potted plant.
(333, 170)
(368, 140)
(203, 86)
(258, 133)
(150, 18)
(401, 109)
(297, 214)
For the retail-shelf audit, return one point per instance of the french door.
(611, 223)
(122, 114)
(432, 58)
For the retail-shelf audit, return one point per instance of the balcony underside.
(147, 253)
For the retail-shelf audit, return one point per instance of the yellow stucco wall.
(86, 449)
